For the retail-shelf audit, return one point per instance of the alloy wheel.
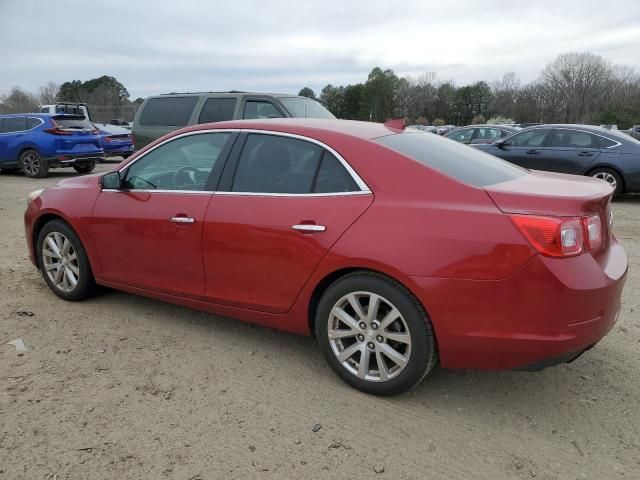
(31, 164)
(60, 261)
(607, 177)
(369, 336)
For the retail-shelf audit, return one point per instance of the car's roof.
(307, 126)
(226, 93)
(492, 125)
(29, 114)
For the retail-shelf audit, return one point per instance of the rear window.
(217, 110)
(168, 111)
(74, 123)
(456, 160)
(305, 108)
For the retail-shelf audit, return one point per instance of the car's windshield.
(453, 159)
(305, 108)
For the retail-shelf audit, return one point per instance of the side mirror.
(111, 181)
(501, 144)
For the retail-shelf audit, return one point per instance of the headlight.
(33, 195)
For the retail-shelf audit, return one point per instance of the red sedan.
(396, 250)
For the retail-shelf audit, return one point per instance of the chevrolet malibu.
(396, 250)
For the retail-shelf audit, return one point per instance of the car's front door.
(282, 203)
(570, 151)
(12, 137)
(525, 148)
(148, 233)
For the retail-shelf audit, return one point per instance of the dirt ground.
(126, 387)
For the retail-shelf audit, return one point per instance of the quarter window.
(14, 124)
(572, 139)
(256, 109)
(333, 177)
(606, 142)
(530, 138)
(217, 110)
(168, 111)
(181, 164)
(33, 122)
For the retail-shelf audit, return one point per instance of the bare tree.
(18, 101)
(48, 93)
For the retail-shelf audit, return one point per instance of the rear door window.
(13, 124)
(563, 138)
(277, 164)
(254, 109)
(217, 110)
(168, 111)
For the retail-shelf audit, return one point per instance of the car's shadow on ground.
(629, 199)
(481, 392)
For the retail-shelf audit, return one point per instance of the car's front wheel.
(32, 164)
(84, 167)
(375, 334)
(63, 262)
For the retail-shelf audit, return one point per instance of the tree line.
(573, 88)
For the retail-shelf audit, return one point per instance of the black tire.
(606, 174)
(84, 167)
(32, 164)
(86, 285)
(423, 352)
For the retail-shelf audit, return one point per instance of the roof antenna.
(395, 123)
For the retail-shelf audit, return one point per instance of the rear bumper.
(70, 159)
(549, 311)
(118, 150)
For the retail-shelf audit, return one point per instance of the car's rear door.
(570, 151)
(148, 233)
(12, 138)
(283, 202)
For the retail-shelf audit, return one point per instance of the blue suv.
(35, 142)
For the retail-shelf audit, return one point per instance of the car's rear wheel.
(611, 177)
(63, 262)
(32, 164)
(84, 167)
(375, 334)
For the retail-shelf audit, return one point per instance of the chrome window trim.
(132, 190)
(617, 143)
(28, 130)
(364, 188)
(301, 195)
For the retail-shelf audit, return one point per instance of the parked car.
(289, 223)
(577, 149)
(423, 128)
(444, 129)
(526, 125)
(116, 141)
(35, 143)
(161, 114)
(474, 134)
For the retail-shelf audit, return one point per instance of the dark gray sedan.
(576, 149)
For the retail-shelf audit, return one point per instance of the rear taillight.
(107, 139)
(553, 237)
(593, 231)
(57, 131)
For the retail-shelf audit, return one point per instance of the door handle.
(183, 220)
(533, 152)
(585, 154)
(311, 228)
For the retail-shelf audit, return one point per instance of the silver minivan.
(161, 114)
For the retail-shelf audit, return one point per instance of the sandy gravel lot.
(125, 387)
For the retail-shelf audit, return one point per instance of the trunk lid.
(547, 193)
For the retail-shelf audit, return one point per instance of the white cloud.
(153, 46)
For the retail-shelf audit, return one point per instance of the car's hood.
(547, 193)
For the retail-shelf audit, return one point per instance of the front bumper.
(549, 310)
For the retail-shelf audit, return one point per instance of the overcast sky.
(156, 46)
